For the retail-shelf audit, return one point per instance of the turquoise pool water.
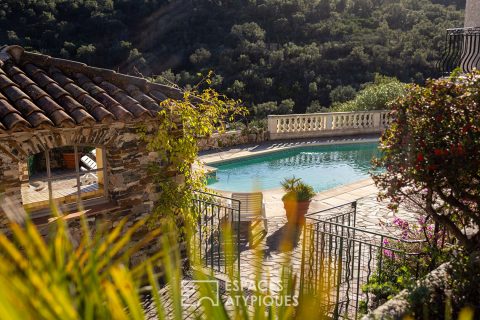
(323, 167)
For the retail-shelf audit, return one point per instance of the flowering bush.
(431, 153)
(418, 249)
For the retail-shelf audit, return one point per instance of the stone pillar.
(472, 14)
(100, 165)
(472, 20)
(272, 124)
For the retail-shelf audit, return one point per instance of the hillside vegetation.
(291, 53)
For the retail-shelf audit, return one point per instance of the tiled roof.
(39, 92)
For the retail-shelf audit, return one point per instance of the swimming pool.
(323, 167)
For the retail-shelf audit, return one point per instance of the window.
(67, 176)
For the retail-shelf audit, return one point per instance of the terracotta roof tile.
(15, 122)
(55, 91)
(6, 107)
(48, 105)
(38, 119)
(61, 119)
(14, 93)
(5, 81)
(38, 91)
(22, 80)
(138, 95)
(75, 90)
(158, 96)
(34, 91)
(10, 117)
(27, 107)
(82, 117)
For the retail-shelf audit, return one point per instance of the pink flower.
(388, 253)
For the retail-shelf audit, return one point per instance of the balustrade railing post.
(377, 117)
(329, 122)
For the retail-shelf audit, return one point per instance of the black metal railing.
(462, 50)
(338, 259)
(215, 213)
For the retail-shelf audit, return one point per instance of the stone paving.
(282, 246)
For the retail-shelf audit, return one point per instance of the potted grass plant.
(296, 199)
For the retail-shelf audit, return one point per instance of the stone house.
(69, 135)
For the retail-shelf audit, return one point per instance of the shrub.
(256, 126)
(375, 96)
(199, 113)
(315, 107)
(262, 110)
(342, 94)
(286, 106)
(418, 249)
(431, 154)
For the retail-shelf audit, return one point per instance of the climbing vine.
(200, 113)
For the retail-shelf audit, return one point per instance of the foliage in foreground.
(54, 278)
(57, 279)
(431, 154)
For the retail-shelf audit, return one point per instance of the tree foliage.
(375, 96)
(431, 153)
(199, 113)
(265, 50)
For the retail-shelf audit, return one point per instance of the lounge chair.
(252, 210)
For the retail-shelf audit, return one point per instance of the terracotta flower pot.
(69, 160)
(296, 211)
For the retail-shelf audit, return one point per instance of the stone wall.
(230, 139)
(131, 190)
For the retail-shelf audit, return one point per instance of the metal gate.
(215, 213)
(338, 259)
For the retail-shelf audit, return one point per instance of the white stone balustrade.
(292, 126)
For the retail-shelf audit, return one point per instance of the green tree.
(375, 96)
(342, 94)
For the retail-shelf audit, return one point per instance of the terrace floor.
(64, 190)
(276, 250)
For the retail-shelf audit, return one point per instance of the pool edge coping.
(245, 153)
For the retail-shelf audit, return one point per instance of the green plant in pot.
(296, 199)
